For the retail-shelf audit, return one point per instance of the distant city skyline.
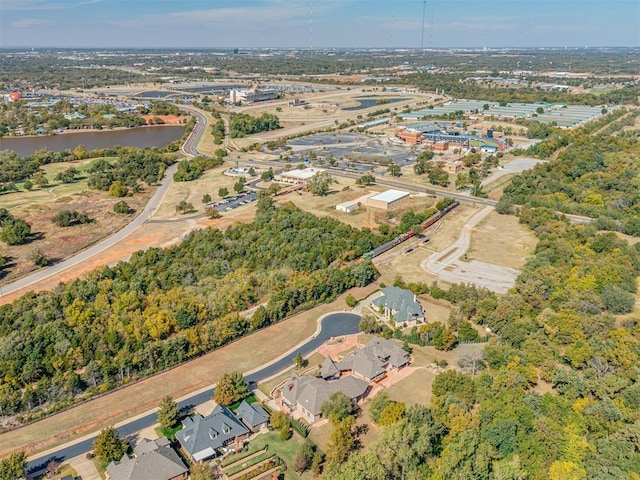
(318, 23)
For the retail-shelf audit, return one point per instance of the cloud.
(270, 11)
(29, 22)
(43, 4)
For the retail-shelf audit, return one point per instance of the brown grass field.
(39, 206)
(408, 267)
(501, 240)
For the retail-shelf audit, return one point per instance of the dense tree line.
(557, 327)
(165, 306)
(241, 125)
(594, 176)
(22, 115)
(193, 168)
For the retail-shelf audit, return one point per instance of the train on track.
(406, 236)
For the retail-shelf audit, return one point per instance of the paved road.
(189, 147)
(333, 325)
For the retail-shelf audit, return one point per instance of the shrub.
(122, 208)
(69, 218)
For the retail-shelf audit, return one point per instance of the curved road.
(333, 325)
(189, 148)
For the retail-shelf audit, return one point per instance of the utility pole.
(424, 8)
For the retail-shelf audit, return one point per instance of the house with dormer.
(207, 437)
(399, 305)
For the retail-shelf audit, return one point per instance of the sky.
(319, 23)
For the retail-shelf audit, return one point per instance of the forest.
(241, 125)
(163, 307)
(594, 175)
(555, 394)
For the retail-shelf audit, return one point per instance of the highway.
(189, 147)
(333, 325)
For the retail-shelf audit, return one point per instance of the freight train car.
(406, 236)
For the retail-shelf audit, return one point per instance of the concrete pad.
(85, 468)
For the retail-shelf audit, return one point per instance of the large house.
(306, 394)
(253, 416)
(372, 362)
(152, 460)
(206, 437)
(400, 305)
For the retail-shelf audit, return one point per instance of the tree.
(267, 175)
(69, 218)
(184, 207)
(28, 185)
(39, 180)
(38, 258)
(108, 446)
(68, 175)
(117, 189)
(472, 363)
(279, 420)
(223, 192)
(392, 413)
(338, 405)
(212, 213)
(239, 185)
(14, 231)
(168, 413)
(13, 467)
(206, 198)
(394, 170)
(52, 467)
(341, 440)
(122, 208)
(378, 404)
(366, 179)
(351, 300)
(231, 388)
(201, 471)
(304, 456)
(320, 183)
(299, 361)
(466, 332)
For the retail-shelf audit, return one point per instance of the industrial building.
(294, 177)
(348, 207)
(388, 199)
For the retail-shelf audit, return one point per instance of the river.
(154, 136)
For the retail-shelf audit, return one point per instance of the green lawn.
(286, 450)
(170, 433)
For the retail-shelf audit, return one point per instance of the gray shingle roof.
(154, 460)
(389, 351)
(329, 368)
(401, 302)
(311, 392)
(202, 436)
(252, 415)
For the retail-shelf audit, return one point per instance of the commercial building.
(388, 199)
(294, 177)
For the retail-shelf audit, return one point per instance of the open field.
(363, 217)
(192, 191)
(414, 389)
(39, 206)
(501, 240)
(408, 267)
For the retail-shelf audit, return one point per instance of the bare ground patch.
(501, 240)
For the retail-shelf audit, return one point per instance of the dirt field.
(409, 266)
(39, 206)
(501, 240)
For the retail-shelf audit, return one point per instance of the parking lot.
(229, 203)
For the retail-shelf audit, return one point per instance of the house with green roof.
(399, 305)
